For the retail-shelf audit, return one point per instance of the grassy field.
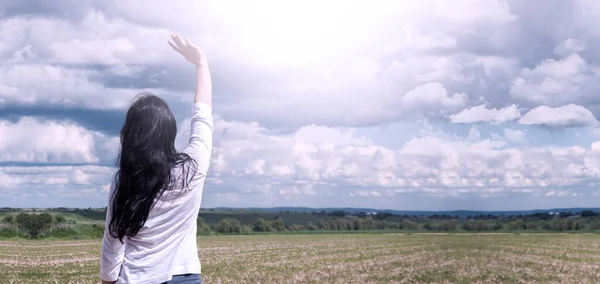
(356, 258)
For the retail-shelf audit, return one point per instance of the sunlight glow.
(282, 33)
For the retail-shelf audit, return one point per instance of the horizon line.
(333, 208)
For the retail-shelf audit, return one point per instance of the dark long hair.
(145, 161)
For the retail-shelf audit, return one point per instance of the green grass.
(95, 230)
(248, 218)
(80, 232)
(8, 233)
(341, 258)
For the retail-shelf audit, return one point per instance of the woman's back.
(156, 209)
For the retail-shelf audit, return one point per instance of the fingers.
(174, 46)
(178, 41)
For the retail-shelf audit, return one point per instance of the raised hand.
(191, 52)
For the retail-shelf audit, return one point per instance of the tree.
(334, 224)
(587, 213)
(237, 225)
(357, 224)
(34, 224)
(202, 227)
(368, 224)
(479, 226)
(409, 225)
(260, 225)
(22, 220)
(382, 215)
(547, 226)
(323, 225)
(294, 227)
(558, 224)
(497, 226)
(448, 226)
(427, 226)
(59, 218)
(46, 218)
(224, 226)
(543, 216)
(246, 229)
(594, 225)
(466, 226)
(8, 218)
(517, 225)
(278, 224)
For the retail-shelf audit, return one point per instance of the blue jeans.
(185, 279)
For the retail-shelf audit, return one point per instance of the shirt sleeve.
(201, 136)
(112, 249)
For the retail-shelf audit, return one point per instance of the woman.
(150, 234)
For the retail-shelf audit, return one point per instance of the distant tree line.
(40, 224)
(386, 221)
(33, 224)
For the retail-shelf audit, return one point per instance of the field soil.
(356, 258)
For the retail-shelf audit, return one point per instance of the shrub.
(8, 233)
(228, 225)
(8, 218)
(427, 226)
(517, 225)
(34, 224)
(260, 225)
(278, 224)
(409, 225)
(60, 218)
(202, 227)
(62, 233)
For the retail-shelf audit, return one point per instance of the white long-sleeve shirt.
(166, 244)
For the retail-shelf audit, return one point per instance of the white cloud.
(565, 116)
(26, 53)
(92, 39)
(570, 115)
(33, 84)
(318, 134)
(33, 140)
(570, 46)
(515, 135)
(553, 82)
(30, 140)
(443, 165)
(18, 182)
(357, 56)
(432, 97)
(437, 47)
(482, 114)
(249, 160)
(474, 134)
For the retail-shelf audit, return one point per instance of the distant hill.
(459, 213)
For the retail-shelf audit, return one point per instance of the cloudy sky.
(412, 105)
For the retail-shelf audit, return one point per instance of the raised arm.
(201, 130)
(195, 55)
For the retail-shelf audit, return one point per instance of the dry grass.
(394, 258)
